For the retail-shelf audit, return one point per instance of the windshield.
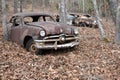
(44, 18)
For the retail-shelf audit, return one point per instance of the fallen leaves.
(92, 59)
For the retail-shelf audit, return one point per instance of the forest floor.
(93, 59)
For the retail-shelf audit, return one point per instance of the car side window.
(16, 21)
(40, 19)
(45, 18)
(27, 20)
(48, 18)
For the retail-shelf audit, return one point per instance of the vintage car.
(70, 19)
(36, 31)
(86, 20)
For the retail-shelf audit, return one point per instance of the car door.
(16, 30)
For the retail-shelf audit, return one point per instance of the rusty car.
(83, 20)
(86, 20)
(37, 31)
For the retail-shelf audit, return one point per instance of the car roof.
(25, 14)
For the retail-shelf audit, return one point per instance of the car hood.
(53, 27)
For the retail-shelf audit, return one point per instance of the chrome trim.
(53, 43)
(56, 46)
(51, 40)
(57, 36)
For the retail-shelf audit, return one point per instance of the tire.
(30, 46)
(38, 52)
(82, 24)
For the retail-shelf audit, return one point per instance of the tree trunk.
(15, 6)
(43, 5)
(51, 6)
(113, 7)
(100, 7)
(83, 6)
(32, 5)
(62, 11)
(102, 33)
(66, 8)
(21, 3)
(79, 2)
(117, 34)
(73, 5)
(5, 35)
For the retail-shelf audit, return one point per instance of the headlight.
(42, 33)
(76, 31)
(94, 22)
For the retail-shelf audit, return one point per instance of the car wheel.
(30, 46)
(38, 52)
(82, 24)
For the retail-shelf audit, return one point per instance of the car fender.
(29, 32)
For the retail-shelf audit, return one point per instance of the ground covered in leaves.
(93, 59)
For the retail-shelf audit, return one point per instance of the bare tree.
(51, 6)
(113, 8)
(73, 5)
(43, 5)
(15, 6)
(62, 11)
(117, 34)
(99, 7)
(21, 3)
(5, 35)
(79, 2)
(33, 2)
(83, 6)
(102, 33)
(66, 8)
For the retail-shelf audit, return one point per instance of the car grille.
(60, 39)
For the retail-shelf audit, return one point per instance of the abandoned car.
(36, 31)
(86, 20)
(69, 19)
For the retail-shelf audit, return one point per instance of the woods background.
(51, 6)
(93, 59)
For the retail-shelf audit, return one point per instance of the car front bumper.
(41, 44)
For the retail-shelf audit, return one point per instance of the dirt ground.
(93, 59)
